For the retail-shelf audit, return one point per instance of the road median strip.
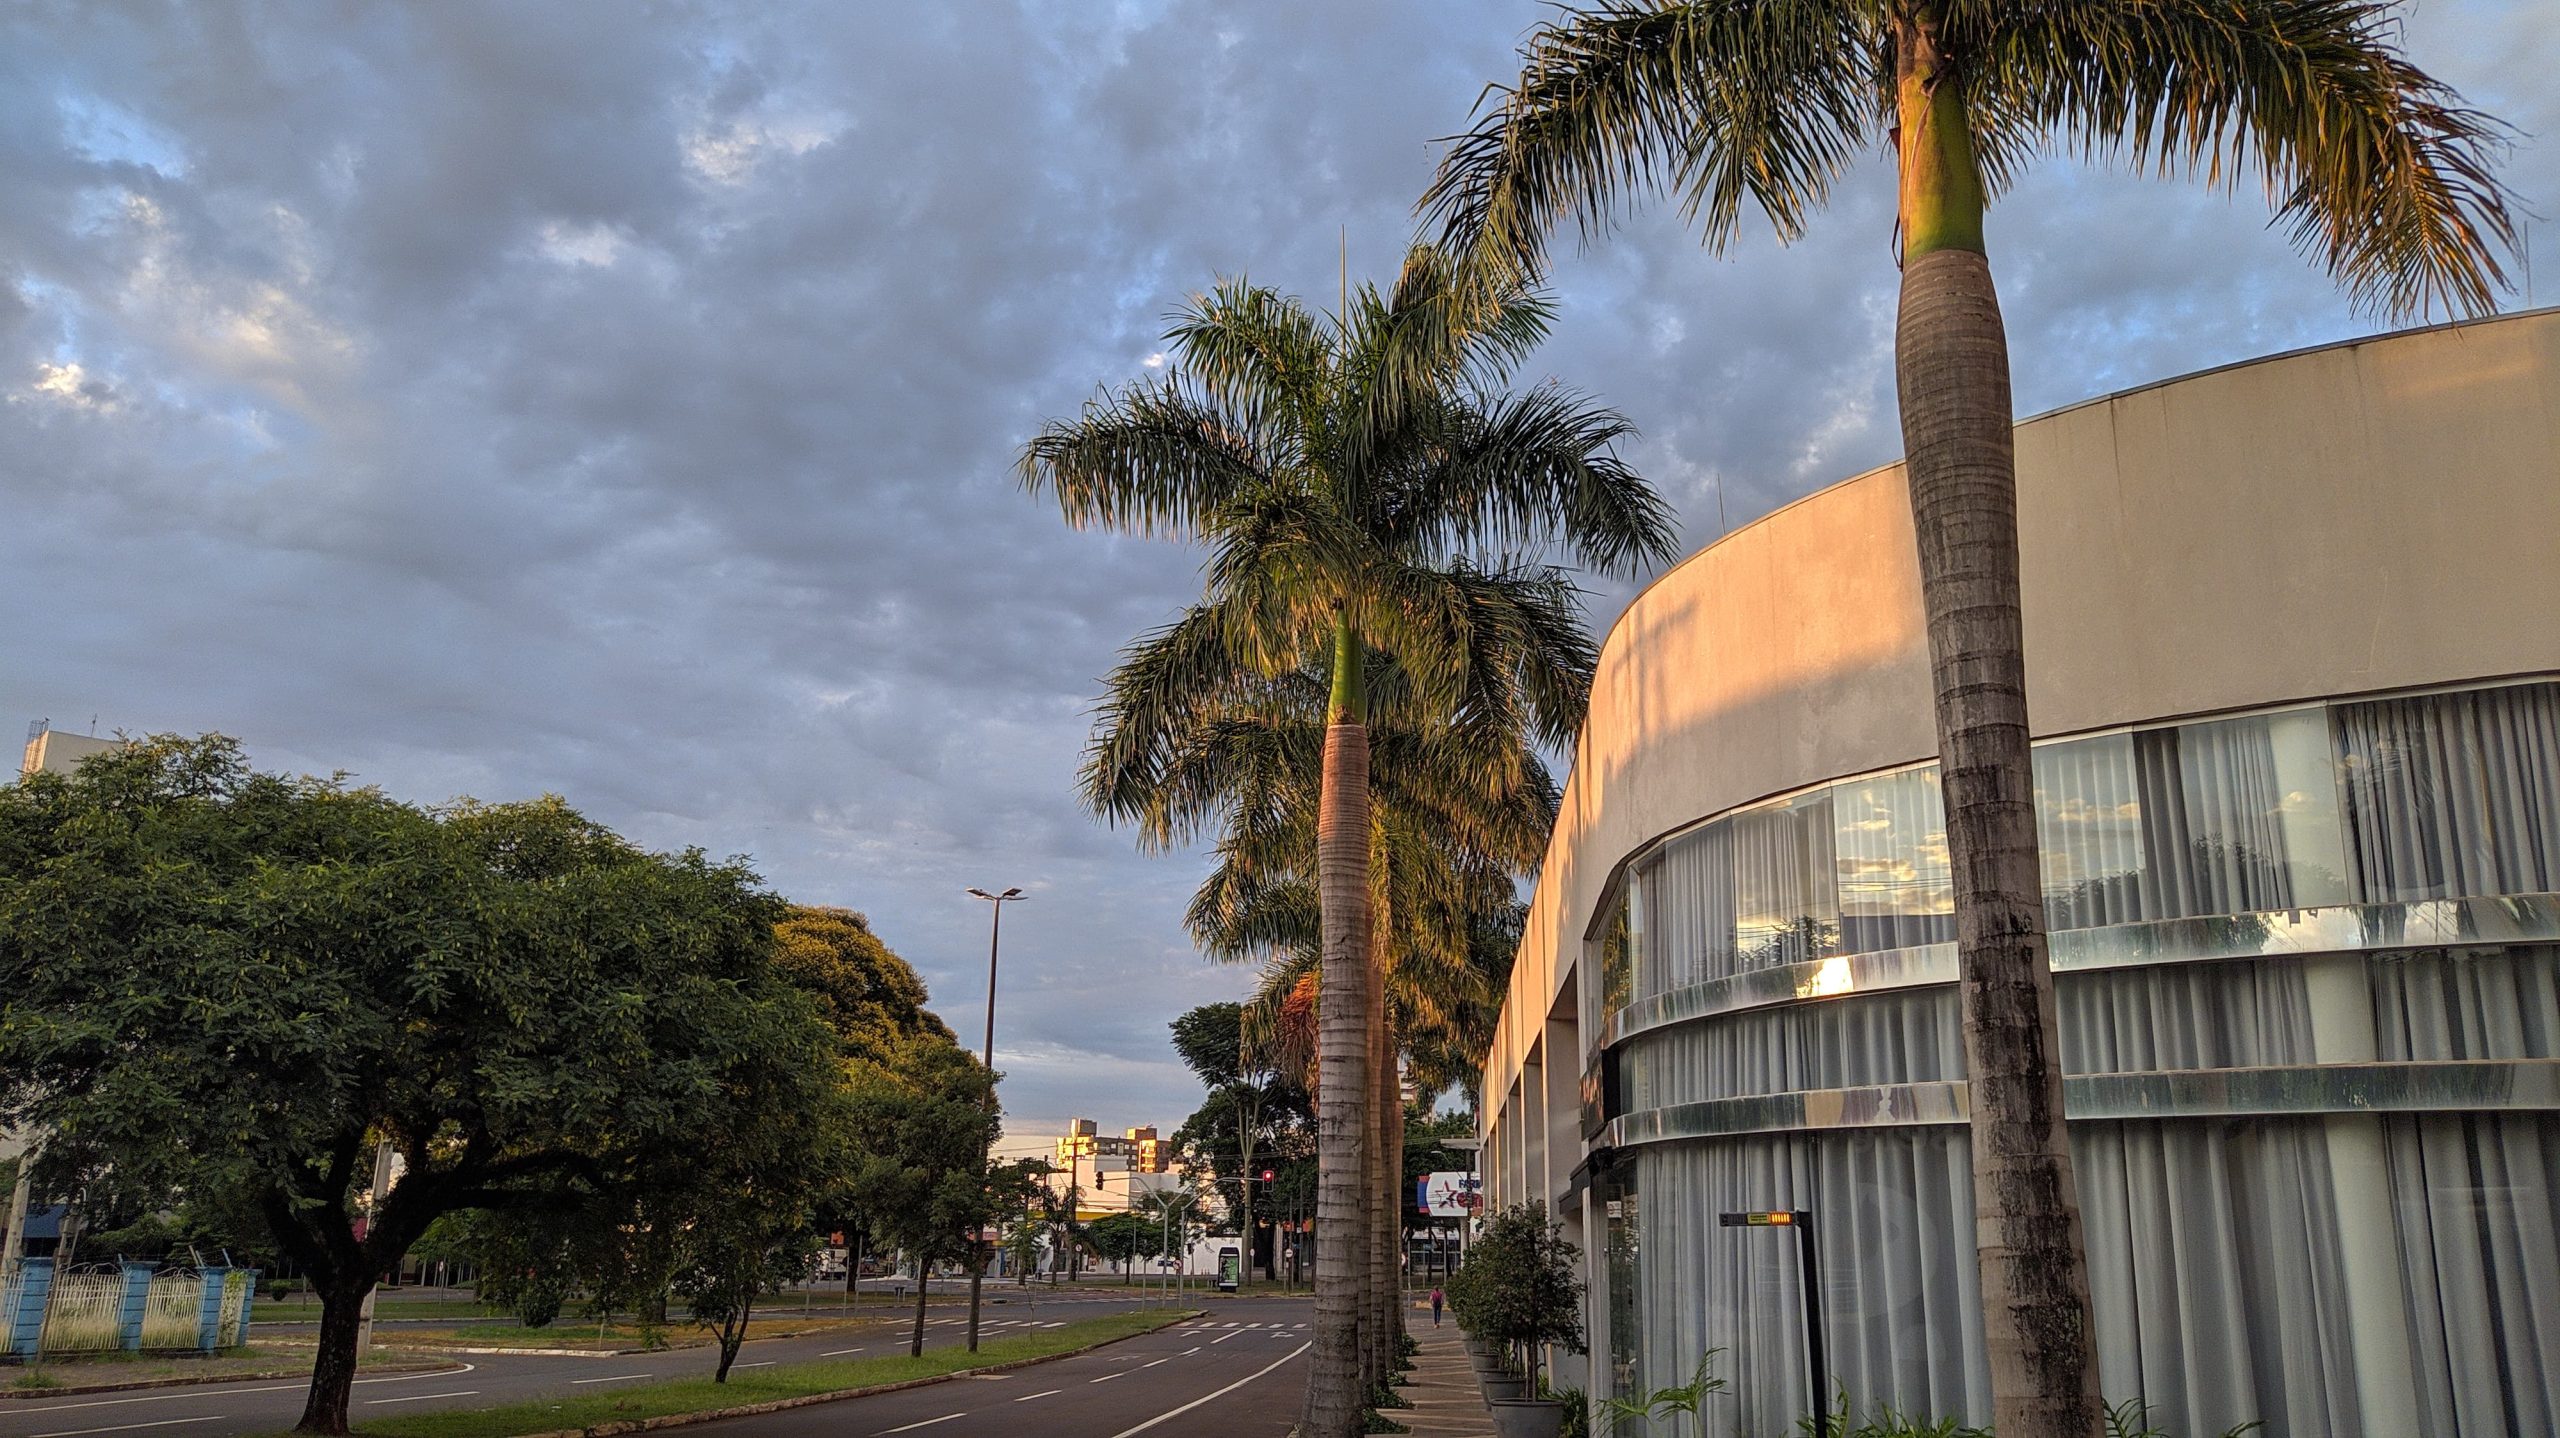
(517, 1420)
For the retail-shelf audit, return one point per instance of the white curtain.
(2089, 830)
(1688, 914)
(1841, 1043)
(1895, 887)
(2184, 1016)
(2475, 1194)
(1785, 904)
(2452, 795)
(2436, 1004)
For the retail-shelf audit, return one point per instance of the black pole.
(1817, 1368)
(986, 1154)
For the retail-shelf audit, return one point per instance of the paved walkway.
(1447, 1403)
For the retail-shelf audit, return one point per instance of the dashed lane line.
(839, 1353)
(125, 1427)
(201, 1394)
(1221, 1393)
(617, 1378)
(1027, 1397)
(929, 1422)
(422, 1397)
(1223, 1337)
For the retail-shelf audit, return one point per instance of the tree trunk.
(1380, 1368)
(1335, 1401)
(732, 1337)
(1952, 371)
(1391, 1314)
(333, 1372)
(915, 1340)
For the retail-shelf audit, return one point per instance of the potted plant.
(1528, 1298)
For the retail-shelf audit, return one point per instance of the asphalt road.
(1120, 1378)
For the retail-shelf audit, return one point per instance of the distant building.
(50, 751)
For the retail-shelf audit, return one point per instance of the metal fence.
(101, 1309)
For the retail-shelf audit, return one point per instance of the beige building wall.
(52, 752)
(2371, 515)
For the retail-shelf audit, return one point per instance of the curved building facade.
(2293, 634)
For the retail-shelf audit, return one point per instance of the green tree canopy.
(924, 1117)
(867, 994)
(221, 980)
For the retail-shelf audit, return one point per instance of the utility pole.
(986, 1153)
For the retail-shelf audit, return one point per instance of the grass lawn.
(571, 1333)
(760, 1385)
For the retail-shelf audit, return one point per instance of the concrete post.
(209, 1310)
(248, 1302)
(132, 1304)
(26, 1318)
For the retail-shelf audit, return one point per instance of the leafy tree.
(924, 1116)
(229, 982)
(2377, 168)
(1124, 1238)
(868, 995)
(1255, 1115)
(1362, 484)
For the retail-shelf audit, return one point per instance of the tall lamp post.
(986, 1155)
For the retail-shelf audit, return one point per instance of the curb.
(809, 1400)
(16, 1395)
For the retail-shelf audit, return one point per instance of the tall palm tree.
(2376, 168)
(1352, 476)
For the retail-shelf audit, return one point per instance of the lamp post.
(986, 1154)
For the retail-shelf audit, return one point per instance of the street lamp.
(986, 1155)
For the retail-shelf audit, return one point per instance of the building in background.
(51, 751)
(2293, 642)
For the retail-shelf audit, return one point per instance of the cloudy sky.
(620, 400)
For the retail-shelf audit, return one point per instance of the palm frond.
(1155, 458)
(2377, 169)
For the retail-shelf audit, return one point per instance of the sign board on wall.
(1449, 1195)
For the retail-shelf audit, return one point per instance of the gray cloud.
(497, 399)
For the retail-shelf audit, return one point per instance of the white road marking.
(1053, 1325)
(839, 1353)
(1151, 1365)
(123, 1427)
(1221, 1393)
(617, 1378)
(1027, 1397)
(1107, 1377)
(1186, 1353)
(1223, 1337)
(929, 1422)
(423, 1397)
(762, 1363)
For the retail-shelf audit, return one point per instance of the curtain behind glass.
(1688, 914)
(2437, 1004)
(2451, 795)
(1896, 890)
(1785, 906)
(1903, 1037)
(2089, 829)
(2475, 1196)
(2185, 1016)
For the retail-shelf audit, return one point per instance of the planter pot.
(1502, 1387)
(1527, 1417)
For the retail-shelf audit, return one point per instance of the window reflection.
(1890, 837)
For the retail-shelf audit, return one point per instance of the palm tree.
(2377, 169)
(1359, 479)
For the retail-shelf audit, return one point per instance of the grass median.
(762, 1385)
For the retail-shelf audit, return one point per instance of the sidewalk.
(1446, 1401)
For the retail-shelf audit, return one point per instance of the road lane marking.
(123, 1427)
(760, 1363)
(1054, 1325)
(617, 1378)
(929, 1422)
(1027, 1397)
(1186, 1353)
(1151, 1365)
(423, 1397)
(1221, 1393)
(1223, 1337)
(839, 1353)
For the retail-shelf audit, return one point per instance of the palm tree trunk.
(1381, 1292)
(1952, 371)
(1335, 1399)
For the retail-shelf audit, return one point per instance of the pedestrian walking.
(1437, 1298)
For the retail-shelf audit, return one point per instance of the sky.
(622, 400)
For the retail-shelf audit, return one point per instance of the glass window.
(2453, 794)
(2245, 818)
(1785, 906)
(1688, 903)
(1617, 949)
(2089, 830)
(1890, 843)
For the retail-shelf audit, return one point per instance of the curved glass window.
(2435, 796)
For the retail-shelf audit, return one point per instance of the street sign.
(1449, 1195)
(1778, 1219)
